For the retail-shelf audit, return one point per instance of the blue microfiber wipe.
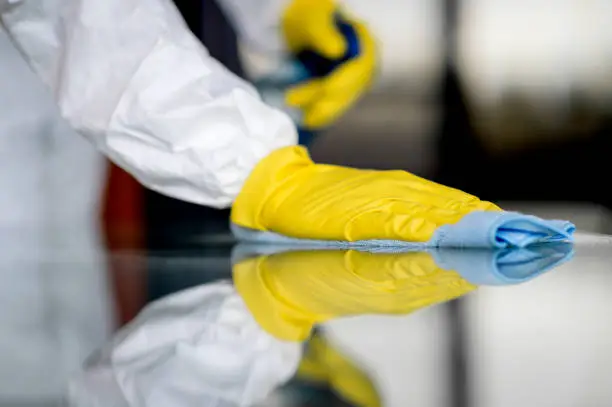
(503, 266)
(481, 229)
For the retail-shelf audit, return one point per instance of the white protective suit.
(131, 77)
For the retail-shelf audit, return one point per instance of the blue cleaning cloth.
(481, 229)
(497, 267)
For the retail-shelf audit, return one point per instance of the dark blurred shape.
(171, 272)
(329, 378)
(123, 227)
(563, 169)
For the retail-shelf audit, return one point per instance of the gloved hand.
(289, 194)
(340, 53)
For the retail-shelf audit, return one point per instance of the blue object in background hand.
(307, 65)
(318, 66)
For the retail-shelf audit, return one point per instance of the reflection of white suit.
(198, 347)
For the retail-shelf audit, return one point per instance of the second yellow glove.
(315, 27)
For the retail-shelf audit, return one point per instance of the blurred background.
(510, 100)
(523, 76)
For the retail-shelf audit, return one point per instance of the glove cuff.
(275, 169)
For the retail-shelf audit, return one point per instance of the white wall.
(410, 37)
(535, 45)
(542, 47)
(406, 356)
(545, 343)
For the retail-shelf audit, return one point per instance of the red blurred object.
(124, 232)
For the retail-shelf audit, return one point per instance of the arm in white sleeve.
(130, 76)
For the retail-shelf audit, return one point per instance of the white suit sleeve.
(129, 75)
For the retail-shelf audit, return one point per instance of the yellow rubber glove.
(288, 293)
(310, 25)
(322, 363)
(288, 194)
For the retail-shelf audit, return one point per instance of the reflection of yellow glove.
(322, 363)
(290, 292)
(287, 193)
(310, 25)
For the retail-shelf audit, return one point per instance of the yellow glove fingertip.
(308, 25)
(320, 117)
(303, 94)
(329, 42)
(293, 98)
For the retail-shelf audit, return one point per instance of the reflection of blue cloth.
(506, 266)
(478, 266)
(476, 230)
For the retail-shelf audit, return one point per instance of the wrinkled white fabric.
(130, 76)
(199, 347)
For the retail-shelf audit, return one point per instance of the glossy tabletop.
(219, 324)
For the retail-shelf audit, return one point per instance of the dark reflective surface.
(218, 324)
